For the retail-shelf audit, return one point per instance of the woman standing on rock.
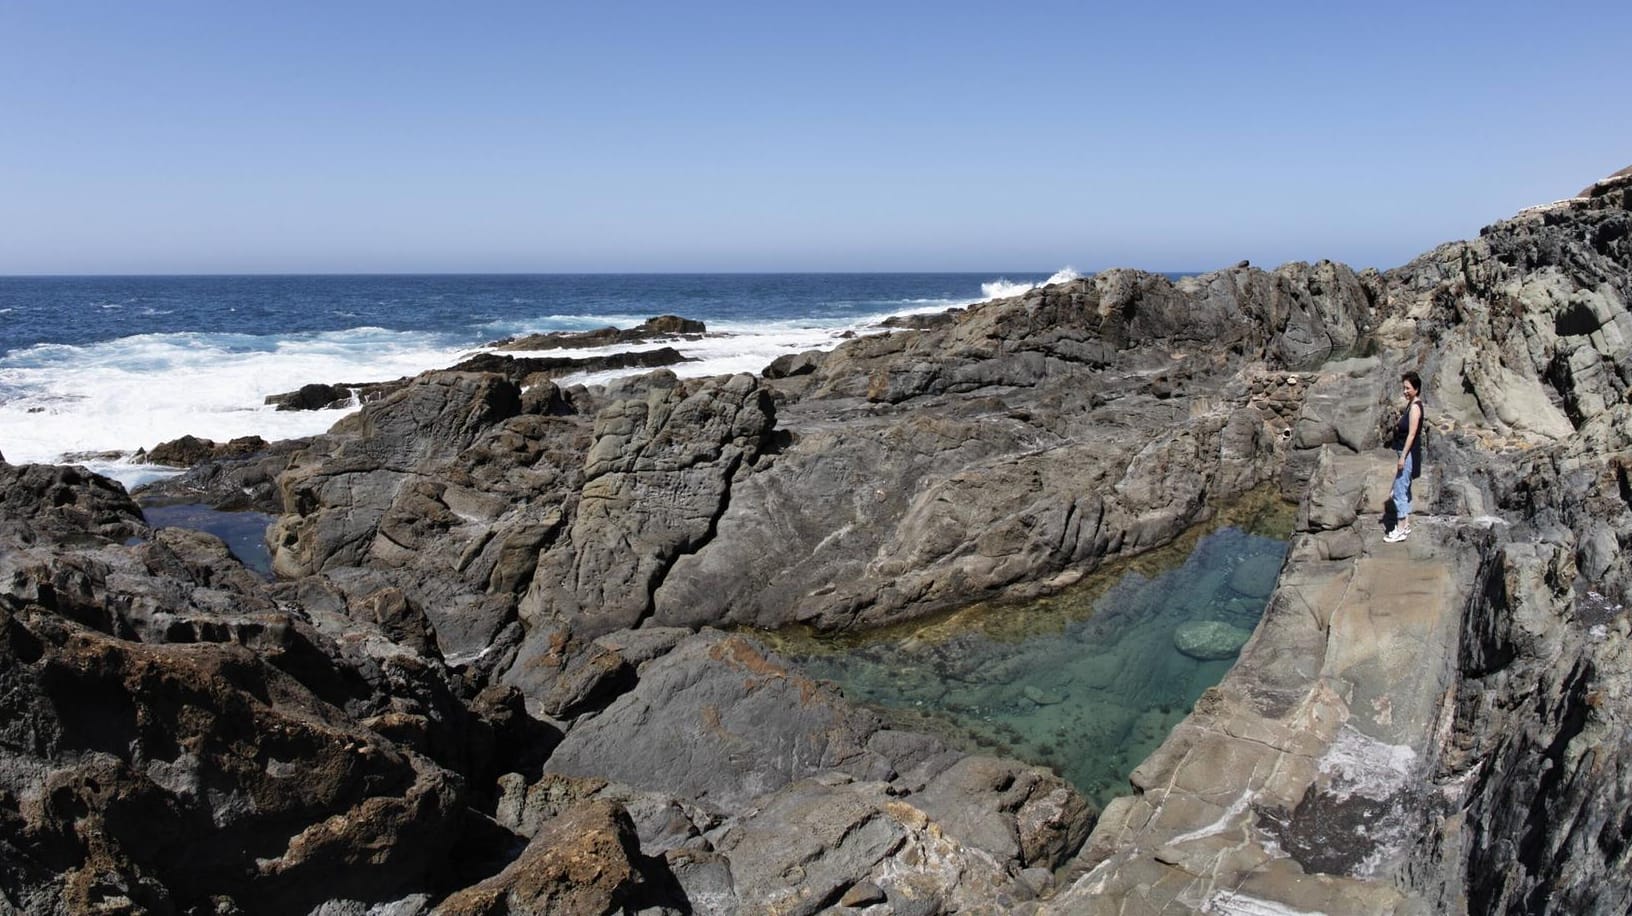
(1408, 439)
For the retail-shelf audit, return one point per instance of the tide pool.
(1088, 681)
(243, 532)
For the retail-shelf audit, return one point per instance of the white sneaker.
(1396, 536)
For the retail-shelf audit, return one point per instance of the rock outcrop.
(663, 327)
(491, 676)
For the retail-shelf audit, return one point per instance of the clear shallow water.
(243, 532)
(1088, 681)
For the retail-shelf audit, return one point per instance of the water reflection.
(243, 532)
(1088, 681)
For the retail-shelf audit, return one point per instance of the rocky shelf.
(490, 675)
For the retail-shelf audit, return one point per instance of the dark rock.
(484, 629)
(121, 743)
(229, 480)
(652, 328)
(922, 321)
(318, 396)
(794, 364)
(191, 450)
(655, 482)
(538, 368)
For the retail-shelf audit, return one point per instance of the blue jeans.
(1402, 492)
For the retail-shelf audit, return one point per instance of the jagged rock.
(479, 585)
(190, 450)
(1020, 814)
(583, 862)
(656, 480)
(227, 481)
(320, 396)
(195, 772)
(650, 329)
(538, 368)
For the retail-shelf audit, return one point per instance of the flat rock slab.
(1291, 788)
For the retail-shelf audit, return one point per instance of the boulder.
(1209, 640)
(583, 862)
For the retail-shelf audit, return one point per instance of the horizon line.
(576, 273)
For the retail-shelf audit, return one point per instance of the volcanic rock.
(482, 674)
(663, 326)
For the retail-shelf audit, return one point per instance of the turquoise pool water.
(1088, 681)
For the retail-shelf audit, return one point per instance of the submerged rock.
(1255, 577)
(1210, 640)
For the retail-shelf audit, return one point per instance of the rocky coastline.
(504, 665)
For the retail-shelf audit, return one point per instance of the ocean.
(94, 368)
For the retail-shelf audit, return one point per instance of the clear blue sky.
(223, 137)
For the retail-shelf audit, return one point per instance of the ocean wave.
(135, 392)
(1003, 288)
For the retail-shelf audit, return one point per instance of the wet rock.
(1255, 577)
(1043, 697)
(321, 396)
(1208, 640)
(652, 328)
(226, 479)
(535, 369)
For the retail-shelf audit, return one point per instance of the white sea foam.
(730, 349)
(63, 402)
(1003, 288)
(99, 403)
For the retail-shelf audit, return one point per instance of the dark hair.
(1414, 379)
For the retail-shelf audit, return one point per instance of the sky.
(207, 137)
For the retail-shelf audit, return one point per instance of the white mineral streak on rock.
(1232, 903)
(1225, 821)
(1357, 765)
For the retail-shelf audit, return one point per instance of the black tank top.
(1403, 429)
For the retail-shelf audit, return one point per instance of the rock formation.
(492, 676)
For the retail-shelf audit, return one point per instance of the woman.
(1408, 439)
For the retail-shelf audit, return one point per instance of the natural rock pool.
(1087, 681)
(243, 532)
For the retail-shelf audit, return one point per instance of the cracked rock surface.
(501, 668)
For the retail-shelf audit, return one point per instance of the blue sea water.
(459, 310)
(94, 368)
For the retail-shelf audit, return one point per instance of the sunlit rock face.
(489, 673)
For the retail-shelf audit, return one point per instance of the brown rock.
(581, 863)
